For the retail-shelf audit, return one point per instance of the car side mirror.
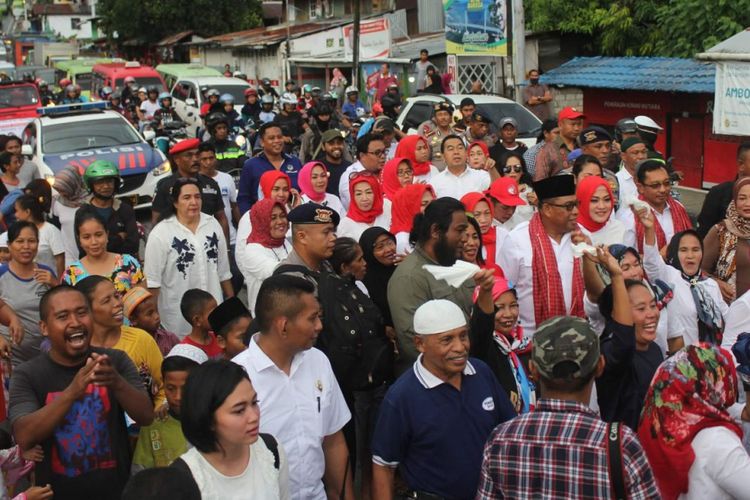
(190, 101)
(27, 150)
(149, 135)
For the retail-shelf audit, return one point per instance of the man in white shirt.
(458, 179)
(300, 401)
(371, 155)
(633, 150)
(558, 211)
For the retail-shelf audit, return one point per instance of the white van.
(188, 96)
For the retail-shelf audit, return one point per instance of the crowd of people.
(450, 314)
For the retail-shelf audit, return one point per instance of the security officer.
(229, 155)
(479, 129)
(436, 129)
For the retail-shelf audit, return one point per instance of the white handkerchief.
(636, 203)
(455, 275)
(581, 247)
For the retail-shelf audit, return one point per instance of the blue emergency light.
(70, 108)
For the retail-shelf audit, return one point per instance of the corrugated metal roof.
(664, 74)
(173, 39)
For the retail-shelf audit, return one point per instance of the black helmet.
(216, 118)
(625, 126)
(266, 82)
(390, 101)
(322, 109)
(153, 89)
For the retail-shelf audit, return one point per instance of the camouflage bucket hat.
(562, 339)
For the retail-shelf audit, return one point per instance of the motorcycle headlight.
(162, 169)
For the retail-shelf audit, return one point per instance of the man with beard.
(538, 256)
(440, 234)
(333, 156)
(72, 400)
(311, 140)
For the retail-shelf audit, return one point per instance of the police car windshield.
(77, 136)
(237, 91)
(16, 97)
(528, 124)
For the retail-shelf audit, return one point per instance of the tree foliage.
(152, 20)
(677, 28)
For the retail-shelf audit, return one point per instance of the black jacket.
(714, 207)
(122, 220)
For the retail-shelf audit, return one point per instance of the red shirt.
(211, 349)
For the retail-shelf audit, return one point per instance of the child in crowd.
(141, 310)
(10, 165)
(195, 306)
(162, 442)
(229, 322)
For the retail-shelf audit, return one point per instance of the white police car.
(78, 134)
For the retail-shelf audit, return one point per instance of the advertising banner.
(374, 40)
(452, 69)
(475, 27)
(732, 98)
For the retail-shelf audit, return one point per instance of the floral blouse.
(126, 274)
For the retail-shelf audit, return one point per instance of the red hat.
(185, 145)
(505, 191)
(569, 113)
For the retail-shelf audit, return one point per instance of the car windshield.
(84, 80)
(143, 82)
(528, 124)
(237, 91)
(68, 137)
(16, 97)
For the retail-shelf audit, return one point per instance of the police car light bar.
(69, 108)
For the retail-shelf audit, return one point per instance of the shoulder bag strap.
(614, 458)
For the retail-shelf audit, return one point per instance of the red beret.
(185, 145)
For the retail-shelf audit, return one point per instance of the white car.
(418, 109)
(188, 96)
(79, 134)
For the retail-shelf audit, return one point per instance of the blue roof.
(663, 74)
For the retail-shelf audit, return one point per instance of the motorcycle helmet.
(64, 82)
(129, 80)
(105, 92)
(98, 170)
(288, 98)
(351, 89)
(315, 91)
(69, 88)
(216, 118)
(115, 95)
(226, 98)
(322, 109)
(212, 92)
(250, 91)
(153, 89)
(266, 99)
(330, 97)
(266, 82)
(77, 88)
(42, 84)
(164, 96)
(307, 88)
(625, 126)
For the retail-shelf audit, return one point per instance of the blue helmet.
(226, 98)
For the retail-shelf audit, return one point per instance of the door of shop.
(686, 149)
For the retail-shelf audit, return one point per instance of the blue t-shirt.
(253, 169)
(350, 109)
(437, 435)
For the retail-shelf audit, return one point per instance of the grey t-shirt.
(28, 173)
(88, 454)
(23, 297)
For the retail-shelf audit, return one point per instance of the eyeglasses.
(569, 206)
(362, 173)
(405, 173)
(657, 185)
(379, 152)
(512, 168)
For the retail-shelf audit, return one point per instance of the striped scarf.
(680, 220)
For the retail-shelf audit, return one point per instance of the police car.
(78, 134)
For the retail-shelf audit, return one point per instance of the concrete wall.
(569, 96)
(62, 25)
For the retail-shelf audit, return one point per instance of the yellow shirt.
(142, 350)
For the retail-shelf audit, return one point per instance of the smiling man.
(72, 401)
(435, 419)
(299, 397)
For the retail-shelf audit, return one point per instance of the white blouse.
(258, 264)
(178, 260)
(353, 229)
(259, 481)
(721, 467)
(330, 201)
(612, 233)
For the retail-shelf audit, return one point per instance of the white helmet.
(351, 89)
(646, 122)
(288, 98)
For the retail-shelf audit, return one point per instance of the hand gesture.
(45, 277)
(608, 261)
(104, 373)
(577, 236)
(39, 493)
(83, 378)
(35, 454)
(295, 198)
(532, 198)
(489, 164)
(485, 280)
(645, 216)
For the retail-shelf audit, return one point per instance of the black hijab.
(378, 275)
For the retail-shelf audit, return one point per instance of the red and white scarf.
(680, 220)
(549, 300)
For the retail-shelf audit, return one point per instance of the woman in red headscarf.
(480, 207)
(266, 245)
(397, 174)
(410, 201)
(595, 213)
(278, 186)
(417, 150)
(313, 182)
(366, 207)
(477, 154)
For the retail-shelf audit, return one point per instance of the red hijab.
(407, 204)
(260, 219)
(354, 212)
(482, 145)
(391, 182)
(584, 192)
(268, 179)
(489, 238)
(407, 148)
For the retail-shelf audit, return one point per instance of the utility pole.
(355, 43)
(519, 49)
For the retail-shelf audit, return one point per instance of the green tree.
(152, 20)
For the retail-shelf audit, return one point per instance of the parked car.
(78, 134)
(19, 102)
(419, 109)
(174, 72)
(188, 96)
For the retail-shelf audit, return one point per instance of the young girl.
(11, 165)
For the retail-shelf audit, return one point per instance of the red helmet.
(250, 91)
(64, 82)
(377, 109)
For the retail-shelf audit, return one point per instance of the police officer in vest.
(229, 156)
(436, 129)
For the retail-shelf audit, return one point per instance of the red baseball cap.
(505, 190)
(185, 145)
(569, 113)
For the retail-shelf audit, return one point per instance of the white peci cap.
(438, 316)
(190, 352)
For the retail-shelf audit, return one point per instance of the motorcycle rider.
(353, 108)
(291, 122)
(63, 83)
(166, 113)
(250, 112)
(267, 89)
(150, 106)
(235, 120)
(115, 102)
(103, 181)
(104, 93)
(229, 156)
(311, 140)
(267, 114)
(212, 98)
(78, 90)
(391, 105)
(70, 96)
(45, 94)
